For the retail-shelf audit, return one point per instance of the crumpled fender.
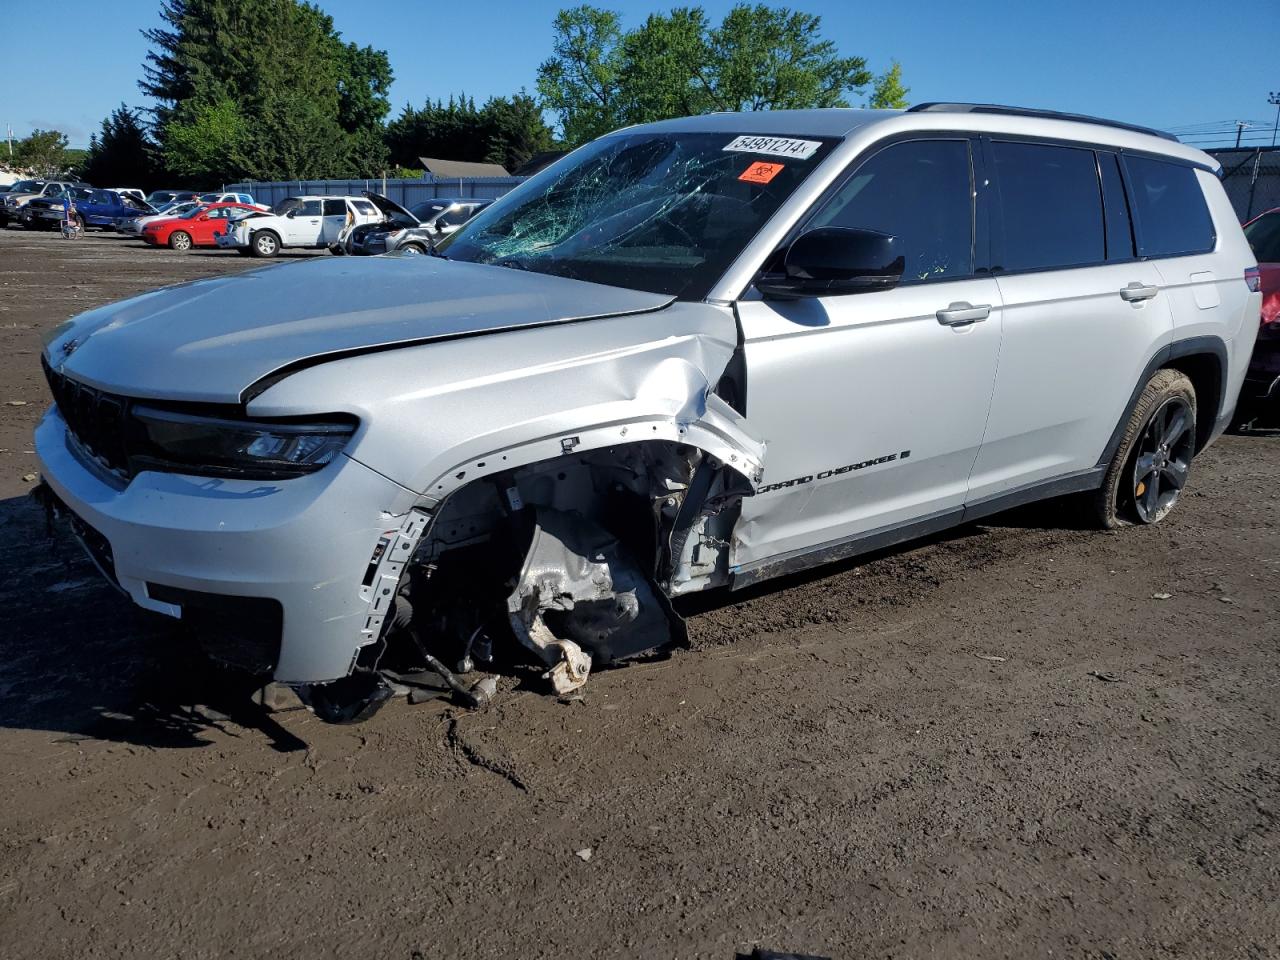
(438, 416)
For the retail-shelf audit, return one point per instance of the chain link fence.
(1251, 176)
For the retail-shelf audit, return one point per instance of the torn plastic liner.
(581, 599)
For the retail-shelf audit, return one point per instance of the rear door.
(335, 219)
(1200, 272)
(1082, 315)
(873, 404)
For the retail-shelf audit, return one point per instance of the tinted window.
(1116, 208)
(1264, 237)
(335, 208)
(310, 208)
(365, 207)
(453, 216)
(921, 193)
(425, 211)
(1171, 212)
(1051, 206)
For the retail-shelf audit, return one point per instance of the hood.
(213, 340)
(392, 210)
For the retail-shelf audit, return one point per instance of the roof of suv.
(979, 118)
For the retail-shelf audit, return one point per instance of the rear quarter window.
(1173, 218)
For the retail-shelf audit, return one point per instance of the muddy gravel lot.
(995, 743)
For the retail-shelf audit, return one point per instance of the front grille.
(97, 420)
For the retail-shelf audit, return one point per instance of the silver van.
(691, 355)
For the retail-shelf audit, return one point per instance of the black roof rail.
(1030, 112)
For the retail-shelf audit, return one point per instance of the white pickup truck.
(297, 222)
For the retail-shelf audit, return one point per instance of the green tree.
(662, 68)
(771, 58)
(43, 153)
(121, 153)
(599, 77)
(514, 130)
(272, 82)
(579, 81)
(506, 130)
(888, 92)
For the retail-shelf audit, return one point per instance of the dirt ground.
(840, 766)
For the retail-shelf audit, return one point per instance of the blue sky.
(1176, 64)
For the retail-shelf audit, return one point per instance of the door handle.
(962, 314)
(1137, 291)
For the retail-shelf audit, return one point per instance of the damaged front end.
(558, 567)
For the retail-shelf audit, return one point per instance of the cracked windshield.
(665, 213)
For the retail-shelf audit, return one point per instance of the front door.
(873, 405)
(306, 226)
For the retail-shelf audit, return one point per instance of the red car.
(1260, 395)
(196, 229)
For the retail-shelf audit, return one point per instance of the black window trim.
(979, 221)
(1135, 225)
(1138, 239)
(1109, 207)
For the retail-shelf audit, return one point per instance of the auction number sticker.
(775, 146)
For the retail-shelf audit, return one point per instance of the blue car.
(94, 208)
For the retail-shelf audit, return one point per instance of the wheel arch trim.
(1214, 347)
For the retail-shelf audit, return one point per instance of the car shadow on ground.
(83, 661)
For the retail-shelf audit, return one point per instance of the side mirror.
(203, 216)
(836, 260)
(292, 213)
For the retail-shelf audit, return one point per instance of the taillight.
(1253, 279)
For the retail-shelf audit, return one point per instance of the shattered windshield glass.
(663, 212)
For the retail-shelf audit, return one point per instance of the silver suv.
(694, 354)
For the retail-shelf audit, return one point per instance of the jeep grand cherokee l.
(693, 354)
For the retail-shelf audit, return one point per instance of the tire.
(180, 240)
(1150, 469)
(264, 243)
(414, 248)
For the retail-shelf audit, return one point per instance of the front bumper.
(305, 543)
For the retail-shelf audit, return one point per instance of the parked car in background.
(1260, 395)
(415, 230)
(231, 198)
(196, 228)
(694, 354)
(158, 198)
(93, 208)
(26, 190)
(315, 222)
(132, 225)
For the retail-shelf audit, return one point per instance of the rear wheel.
(1146, 477)
(264, 243)
(414, 248)
(180, 240)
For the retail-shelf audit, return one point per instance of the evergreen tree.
(121, 153)
(888, 92)
(264, 89)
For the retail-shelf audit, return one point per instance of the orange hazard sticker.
(761, 172)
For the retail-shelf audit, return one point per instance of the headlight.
(171, 440)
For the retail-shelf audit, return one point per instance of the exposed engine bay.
(559, 567)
